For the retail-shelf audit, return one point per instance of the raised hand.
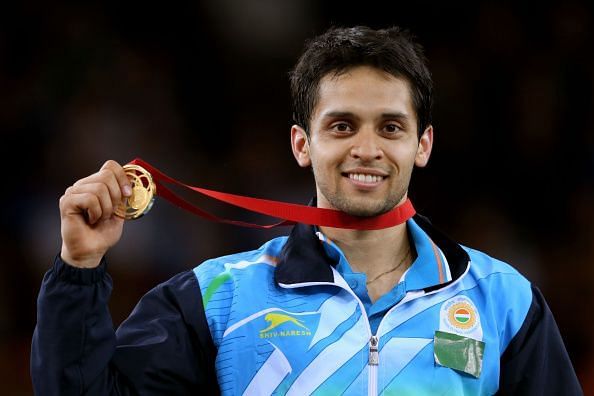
(88, 223)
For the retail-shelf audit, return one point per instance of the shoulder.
(487, 267)
(500, 281)
(184, 290)
(265, 254)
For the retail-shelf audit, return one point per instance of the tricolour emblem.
(462, 315)
(459, 316)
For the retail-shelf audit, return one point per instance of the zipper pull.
(373, 351)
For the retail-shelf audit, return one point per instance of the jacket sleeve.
(536, 361)
(164, 347)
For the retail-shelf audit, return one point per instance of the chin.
(364, 212)
(367, 209)
(361, 206)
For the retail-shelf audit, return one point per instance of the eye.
(341, 127)
(392, 129)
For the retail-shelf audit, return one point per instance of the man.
(402, 310)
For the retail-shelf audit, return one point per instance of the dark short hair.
(393, 50)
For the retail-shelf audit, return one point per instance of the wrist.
(79, 276)
(80, 261)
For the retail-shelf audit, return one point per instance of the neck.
(383, 255)
(372, 252)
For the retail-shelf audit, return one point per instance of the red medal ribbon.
(290, 213)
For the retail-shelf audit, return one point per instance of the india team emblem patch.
(459, 315)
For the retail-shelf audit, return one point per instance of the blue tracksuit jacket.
(293, 318)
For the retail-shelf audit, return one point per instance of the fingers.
(95, 193)
(107, 179)
(82, 204)
(113, 175)
(120, 176)
(98, 194)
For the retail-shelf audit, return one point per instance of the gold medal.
(143, 193)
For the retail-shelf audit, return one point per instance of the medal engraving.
(143, 193)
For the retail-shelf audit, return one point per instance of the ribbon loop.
(290, 213)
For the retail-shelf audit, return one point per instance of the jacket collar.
(303, 258)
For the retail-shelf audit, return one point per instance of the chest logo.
(460, 316)
(283, 325)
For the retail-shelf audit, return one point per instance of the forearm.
(74, 340)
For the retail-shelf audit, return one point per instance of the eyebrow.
(348, 114)
(339, 114)
(395, 115)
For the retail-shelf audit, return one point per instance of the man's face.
(363, 142)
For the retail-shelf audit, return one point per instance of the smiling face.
(363, 142)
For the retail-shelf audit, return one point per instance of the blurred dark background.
(200, 91)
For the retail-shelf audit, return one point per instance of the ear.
(300, 146)
(424, 148)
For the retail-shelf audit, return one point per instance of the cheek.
(403, 156)
(326, 171)
(325, 158)
(322, 171)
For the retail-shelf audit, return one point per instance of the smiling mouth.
(364, 178)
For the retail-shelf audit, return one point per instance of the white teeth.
(365, 178)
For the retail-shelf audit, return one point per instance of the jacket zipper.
(373, 364)
(373, 361)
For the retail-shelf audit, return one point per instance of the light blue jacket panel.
(286, 321)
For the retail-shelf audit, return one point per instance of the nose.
(366, 146)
